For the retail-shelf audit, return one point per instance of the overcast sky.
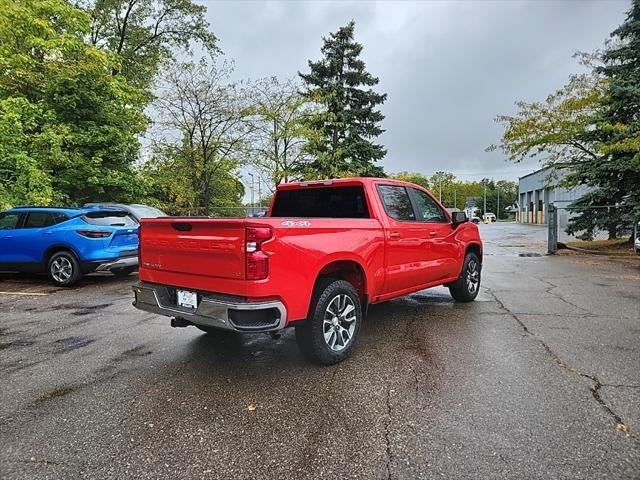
(448, 67)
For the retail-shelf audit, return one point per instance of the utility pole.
(455, 199)
(440, 189)
(498, 207)
(484, 213)
(252, 203)
(259, 194)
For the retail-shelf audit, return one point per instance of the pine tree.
(343, 128)
(615, 171)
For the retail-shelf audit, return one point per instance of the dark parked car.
(135, 210)
(68, 242)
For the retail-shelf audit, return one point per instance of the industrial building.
(538, 190)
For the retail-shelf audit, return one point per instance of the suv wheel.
(466, 288)
(329, 334)
(64, 269)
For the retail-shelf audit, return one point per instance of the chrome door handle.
(433, 234)
(47, 233)
(394, 235)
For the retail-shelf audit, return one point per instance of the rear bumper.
(218, 311)
(126, 262)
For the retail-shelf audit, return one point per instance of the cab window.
(396, 201)
(428, 209)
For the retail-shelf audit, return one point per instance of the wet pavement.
(539, 378)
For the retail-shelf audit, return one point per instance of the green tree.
(555, 128)
(145, 34)
(68, 127)
(413, 177)
(279, 132)
(615, 173)
(203, 127)
(346, 123)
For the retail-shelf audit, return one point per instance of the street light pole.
(498, 207)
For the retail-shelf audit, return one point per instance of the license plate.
(187, 299)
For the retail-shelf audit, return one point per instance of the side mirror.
(458, 218)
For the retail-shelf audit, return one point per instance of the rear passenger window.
(38, 220)
(321, 202)
(59, 217)
(8, 221)
(396, 202)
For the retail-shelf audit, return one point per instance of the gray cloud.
(448, 67)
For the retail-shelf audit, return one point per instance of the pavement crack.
(595, 388)
(506, 310)
(613, 385)
(553, 286)
(387, 435)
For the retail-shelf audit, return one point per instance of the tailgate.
(212, 248)
(125, 239)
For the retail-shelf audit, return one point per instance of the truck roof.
(341, 181)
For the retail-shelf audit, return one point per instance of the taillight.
(94, 233)
(257, 262)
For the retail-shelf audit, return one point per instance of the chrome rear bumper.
(124, 262)
(218, 311)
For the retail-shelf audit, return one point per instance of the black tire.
(466, 288)
(64, 269)
(342, 330)
(124, 272)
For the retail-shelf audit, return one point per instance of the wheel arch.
(58, 247)
(349, 270)
(474, 247)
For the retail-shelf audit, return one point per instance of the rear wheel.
(466, 288)
(123, 272)
(329, 335)
(64, 269)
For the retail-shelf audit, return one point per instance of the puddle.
(431, 299)
(73, 343)
(82, 308)
(57, 393)
(139, 351)
(17, 343)
(529, 254)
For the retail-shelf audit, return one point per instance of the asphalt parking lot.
(539, 378)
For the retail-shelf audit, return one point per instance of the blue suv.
(67, 243)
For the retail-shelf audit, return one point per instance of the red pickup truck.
(325, 251)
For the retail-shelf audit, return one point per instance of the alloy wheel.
(61, 269)
(339, 322)
(473, 276)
